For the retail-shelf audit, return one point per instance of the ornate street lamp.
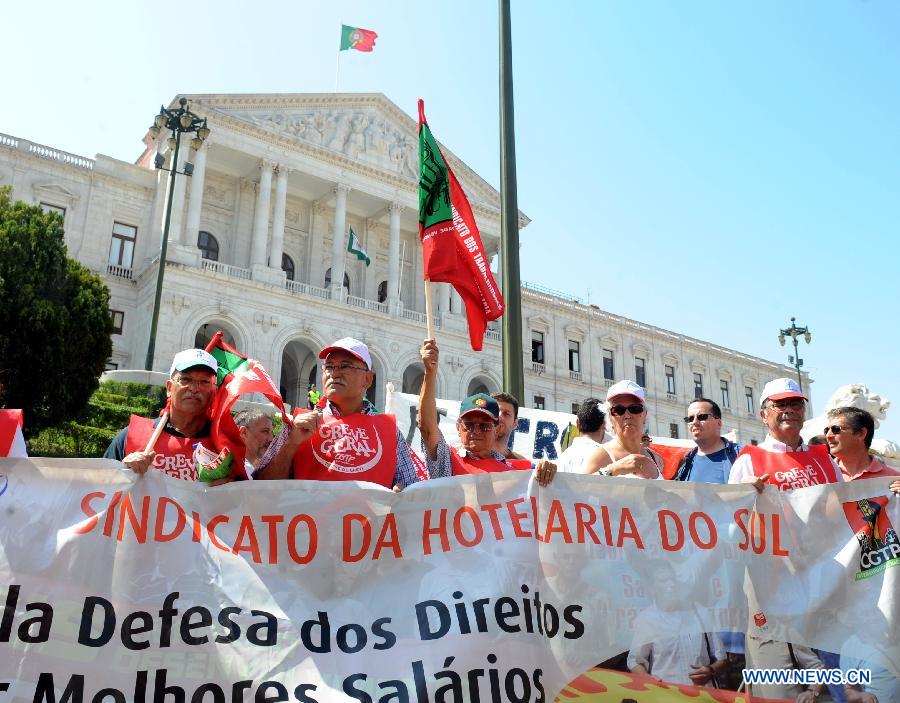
(178, 121)
(794, 332)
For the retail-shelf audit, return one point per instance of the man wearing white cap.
(190, 390)
(782, 459)
(348, 439)
(625, 455)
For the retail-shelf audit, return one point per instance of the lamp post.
(178, 121)
(794, 332)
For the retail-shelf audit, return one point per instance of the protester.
(477, 425)
(625, 455)
(255, 428)
(509, 420)
(711, 460)
(784, 461)
(849, 435)
(347, 375)
(312, 397)
(190, 390)
(591, 423)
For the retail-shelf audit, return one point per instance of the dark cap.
(480, 403)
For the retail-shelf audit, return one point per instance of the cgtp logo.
(879, 544)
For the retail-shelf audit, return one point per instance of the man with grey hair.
(255, 428)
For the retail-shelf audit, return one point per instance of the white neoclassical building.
(257, 247)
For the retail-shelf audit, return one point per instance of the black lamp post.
(178, 121)
(794, 332)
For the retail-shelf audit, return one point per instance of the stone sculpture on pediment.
(357, 140)
(376, 144)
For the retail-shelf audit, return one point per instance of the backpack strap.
(683, 472)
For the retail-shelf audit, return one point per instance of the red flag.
(12, 444)
(237, 376)
(452, 251)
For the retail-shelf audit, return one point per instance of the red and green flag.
(452, 251)
(237, 376)
(357, 38)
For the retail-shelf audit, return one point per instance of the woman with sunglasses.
(625, 455)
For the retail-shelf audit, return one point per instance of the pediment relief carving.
(538, 323)
(575, 332)
(54, 190)
(670, 359)
(698, 366)
(609, 342)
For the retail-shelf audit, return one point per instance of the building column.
(338, 253)
(313, 271)
(192, 223)
(261, 216)
(393, 279)
(443, 297)
(281, 183)
(456, 303)
(177, 219)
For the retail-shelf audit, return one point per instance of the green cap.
(480, 403)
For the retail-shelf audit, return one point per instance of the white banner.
(487, 588)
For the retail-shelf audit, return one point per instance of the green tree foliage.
(54, 319)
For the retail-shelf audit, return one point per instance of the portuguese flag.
(238, 376)
(357, 38)
(452, 251)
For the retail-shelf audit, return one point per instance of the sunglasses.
(635, 409)
(837, 429)
(483, 427)
(701, 417)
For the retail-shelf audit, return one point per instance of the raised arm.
(428, 417)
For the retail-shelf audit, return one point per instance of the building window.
(670, 379)
(754, 442)
(47, 207)
(121, 248)
(287, 265)
(640, 371)
(574, 356)
(382, 291)
(118, 320)
(328, 280)
(698, 385)
(748, 394)
(673, 430)
(537, 347)
(111, 366)
(208, 246)
(539, 402)
(725, 400)
(609, 372)
(575, 408)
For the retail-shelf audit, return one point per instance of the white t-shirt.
(573, 457)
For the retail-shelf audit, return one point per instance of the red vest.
(790, 470)
(174, 455)
(464, 465)
(353, 448)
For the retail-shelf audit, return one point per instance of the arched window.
(382, 291)
(208, 246)
(346, 280)
(287, 265)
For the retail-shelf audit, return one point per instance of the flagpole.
(513, 371)
(157, 431)
(429, 318)
(337, 70)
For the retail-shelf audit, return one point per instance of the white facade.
(279, 176)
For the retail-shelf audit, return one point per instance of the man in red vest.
(346, 439)
(477, 425)
(190, 389)
(782, 460)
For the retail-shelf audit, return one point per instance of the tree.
(54, 319)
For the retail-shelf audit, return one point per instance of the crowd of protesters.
(485, 425)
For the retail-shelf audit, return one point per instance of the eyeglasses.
(837, 429)
(635, 409)
(483, 427)
(343, 368)
(792, 403)
(701, 417)
(203, 384)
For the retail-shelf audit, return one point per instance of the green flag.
(355, 248)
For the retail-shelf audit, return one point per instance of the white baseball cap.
(354, 346)
(626, 388)
(188, 358)
(779, 389)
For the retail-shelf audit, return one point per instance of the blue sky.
(712, 168)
